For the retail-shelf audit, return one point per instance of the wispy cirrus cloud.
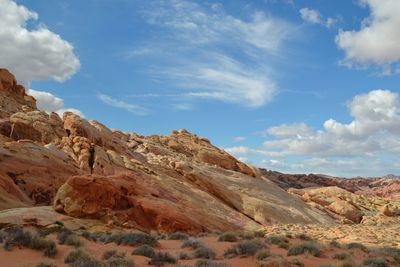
(313, 16)
(215, 55)
(135, 109)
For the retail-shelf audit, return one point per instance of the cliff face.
(167, 183)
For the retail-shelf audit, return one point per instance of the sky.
(290, 85)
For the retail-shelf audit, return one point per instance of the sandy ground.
(22, 257)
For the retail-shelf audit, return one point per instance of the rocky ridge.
(165, 183)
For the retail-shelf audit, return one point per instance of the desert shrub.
(203, 252)
(335, 244)
(341, 256)
(48, 247)
(304, 237)
(376, 262)
(119, 262)
(74, 241)
(184, 256)
(307, 247)
(51, 250)
(247, 248)
(348, 264)
(17, 236)
(276, 239)
(113, 253)
(297, 262)
(45, 264)
(391, 252)
(228, 237)
(259, 233)
(79, 258)
(178, 236)
(63, 235)
(262, 254)
(279, 240)
(357, 246)
(8, 245)
(247, 235)
(201, 234)
(131, 239)
(192, 243)
(161, 258)
(208, 263)
(144, 250)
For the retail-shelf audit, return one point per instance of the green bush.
(178, 236)
(376, 262)
(144, 250)
(203, 252)
(74, 241)
(307, 247)
(228, 237)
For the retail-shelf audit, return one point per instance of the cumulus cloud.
(239, 139)
(313, 16)
(371, 136)
(51, 103)
(216, 55)
(37, 54)
(135, 109)
(376, 42)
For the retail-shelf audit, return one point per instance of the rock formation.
(166, 183)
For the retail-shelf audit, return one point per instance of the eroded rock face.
(12, 95)
(168, 183)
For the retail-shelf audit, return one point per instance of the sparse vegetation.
(304, 237)
(208, 263)
(192, 243)
(376, 262)
(113, 253)
(247, 248)
(335, 244)
(178, 236)
(307, 247)
(279, 240)
(184, 256)
(298, 262)
(262, 254)
(144, 250)
(45, 264)
(341, 256)
(391, 252)
(228, 237)
(161, 258)
(79, 258)
(203, 252)
(131, 239)
(357, 246)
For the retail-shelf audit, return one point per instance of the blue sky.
(294, 86)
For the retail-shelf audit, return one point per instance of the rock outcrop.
(165, 183)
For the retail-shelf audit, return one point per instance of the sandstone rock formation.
(166, 183)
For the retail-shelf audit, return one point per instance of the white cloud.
(216, 55)
(51, 103)
(289, 130)
(182, 107)
(372, 136)
(238, 139)
(135, 109)
(36, 54)
(376, 42)
(313, 16)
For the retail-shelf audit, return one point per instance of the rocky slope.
(388, 187)
(166, 183)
